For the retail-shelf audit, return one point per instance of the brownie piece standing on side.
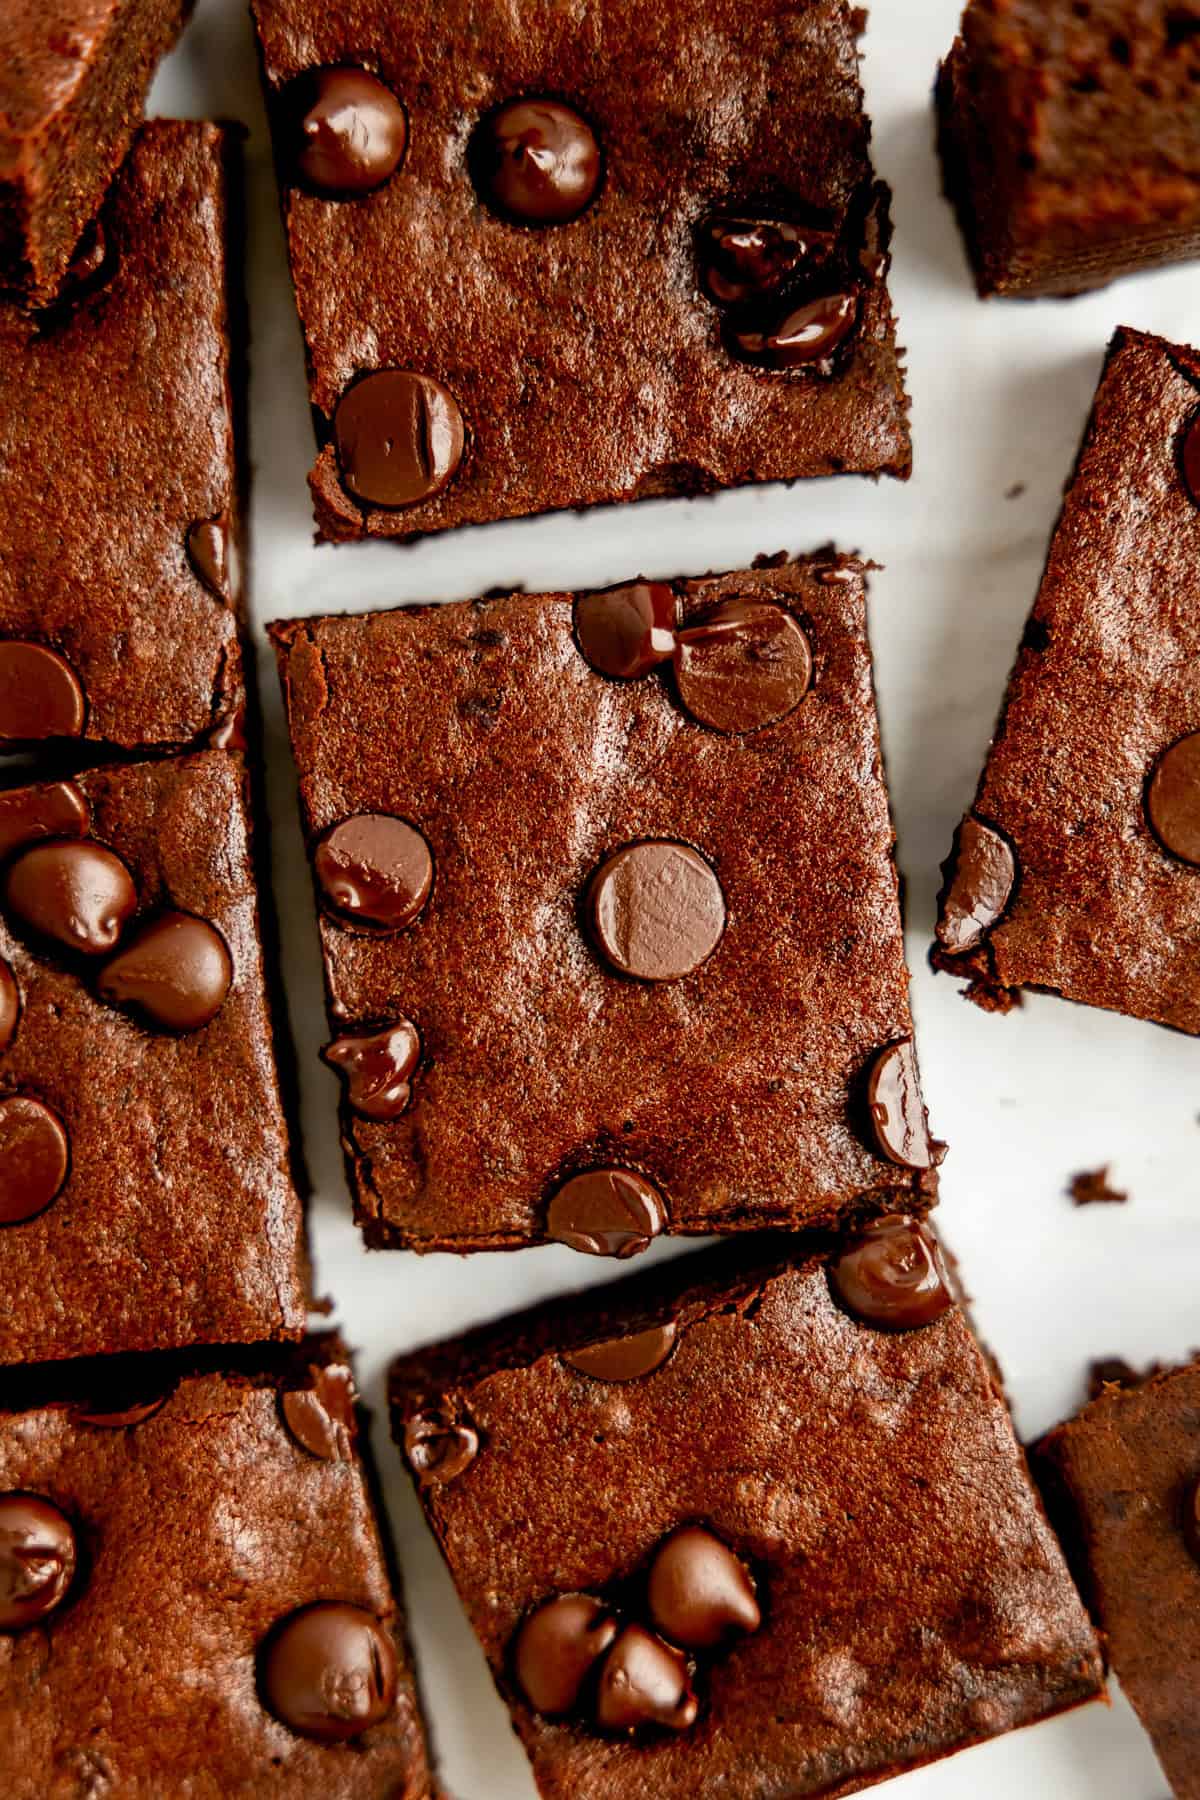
(722, 1532)
(194, 1592)
(1078, 870)
(146, 1199)
(119, 496)
(550, 257)
(609, 912)
(73, 81)
(1070, 140)
(1123, 1481)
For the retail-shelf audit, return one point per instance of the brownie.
(719, 1533)
(612, 946)
(1078, 870)
(146, 1198)
(194, 1593)
(1123, 1478)
(73, 81)
(1070, 140)
(118, 470)
(548, 260)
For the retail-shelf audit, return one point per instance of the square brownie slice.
(146, 1197)
(719, 1534)
(194, 1593)
(1078, 869)
(1123, 1481)
(119, 505)
(609, 912)
(548, 258)
(1070, 140)
(72, 89)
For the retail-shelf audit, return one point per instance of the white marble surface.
(1000, 395)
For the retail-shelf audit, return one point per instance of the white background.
(1000, 394)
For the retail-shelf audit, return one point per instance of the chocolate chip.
(607, 1212)
(229, 733)
(745, 259)
(37, 1559)
(123, 1419)
(10, 1005)
(329, 1671)
(747, 666)
(72, 891)
(627, 631)
(56, 809)
(699, 1592)
(985, 873)
(804, 334)
(438, 1449)
(625, 1358)
(208, 553)
(400, 438)
(1173, 800)
(375, 869)
(348, 131)
(377, 1069)
(34, 1158)
(321, 1417)
(1191, 1519)
(537, 162)
(644, 1682)
(1190, 458)
(892, 1275)
(898, 1116)
(656, 910)
(40, 694)
(557, 1648)
(176, 971)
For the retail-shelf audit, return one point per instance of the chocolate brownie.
(548, 258)
(1070, 140)
(1123, 1479)
(73, 82)
(194, 1595)
(754, 1525)
(118, 470)
(609, 912)
(146, 1200)
(1078, 869)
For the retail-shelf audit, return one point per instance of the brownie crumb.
(1093, 1188)
(1114, 1371)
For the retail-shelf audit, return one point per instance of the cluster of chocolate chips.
(892, 1275)
(762, 272)
(576, 1656)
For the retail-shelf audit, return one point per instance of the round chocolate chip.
(656, 910)
(439, 1449)
(55, 809)
(891, 1275)
(329, 1671)
(72, 891)
(176, 971)
(321, 1417)
(10, 1005)
(209, 554)
(607, 1212)
(350, 131)
(557, 1648)
(1190, 459)
(625, 632)
(898, 1116)
(375, 870)
(644, 1682)
(1191, 1518)
(805, 334)
(985, 873)
(34, 1158)
(699, 1592)
(40, 694)
(625, 1358)
(537, 162)
(400, 438)
(745, 259)
(377, 1068)
(37, 1559)
(747, 666)
(1173, 800)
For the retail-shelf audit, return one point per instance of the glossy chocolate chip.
(176, 972)
(985, 873)
(72, 891)
(34, 1158)
(37, 1559)
(699, 1592)
(537, 162)
(656, 910)
(892, 1276)
(746, 259)
(375, 869)
(122, 1418)
(1173, 800)
(329, 1671)
(57, 809)
(898, 1116)
(557, 1648)
(377, 1068)
(400, 438)
(1190, 459)
(350, 131)
(40, 694)
(321, 1417)
(10, 1005)
(1191, 1518)
(803, 335)
(746, 666)
(439, 1449)
(644, 1682)
(209, 554)
(607, 1212)
(625, 1358)
(625, 632)
(229, 733)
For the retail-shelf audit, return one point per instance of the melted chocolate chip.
(747, 666)
(607, 1212)
(37, 1559)
(438, 1449)
(892, 1275)
(125, 1418)
(1190, 459)
(746, 259)
(176, 972)
(10, 1005)
(1191, 1519)
(898, 1116)
(56, 809)
(329, 1671)
(1173, 800)
(985, 873)
(400, 438)
(656, 910)
(537, 162)
(805, 334)
(375, 869)
(40, 694)
(625, 1358)
(644, 1682)
(34, 1158)
(208, 553)
(625, 632)
(377, 1069)
(321, 1417)
(229, 733)
(699, 1592)
(72, 891)
(557, 1648)
(350, 131)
